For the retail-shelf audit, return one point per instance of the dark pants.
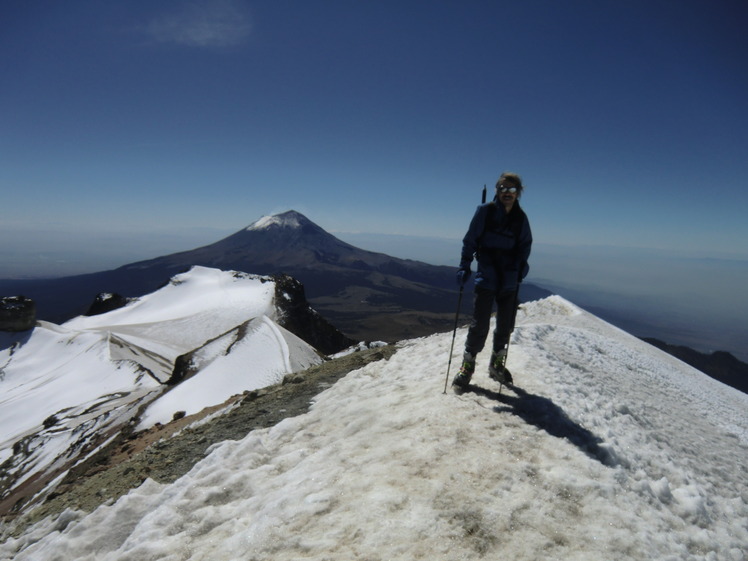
(481, 324)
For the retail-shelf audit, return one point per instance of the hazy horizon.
(694, 300)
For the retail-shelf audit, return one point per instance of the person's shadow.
(546, 415)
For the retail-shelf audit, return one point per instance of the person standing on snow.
(500, 239)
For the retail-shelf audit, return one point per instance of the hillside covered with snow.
(606, 449)
(65, 389)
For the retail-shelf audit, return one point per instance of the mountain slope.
(64, 390)
(359, 291)
(607, 449)
(288, 240)
(720, 365)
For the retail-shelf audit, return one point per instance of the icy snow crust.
(609, 449)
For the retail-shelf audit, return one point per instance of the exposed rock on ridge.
(17, 313)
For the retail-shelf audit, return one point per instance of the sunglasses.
(503, 189)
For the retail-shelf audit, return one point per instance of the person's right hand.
(462, 276)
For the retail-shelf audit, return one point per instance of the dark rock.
(184, 367)
(17, 313)
(302, 320)
(106, 302)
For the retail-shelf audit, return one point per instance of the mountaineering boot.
(462, 380)
(496, 369)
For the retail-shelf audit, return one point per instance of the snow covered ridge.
(65, 388)
(608, 449)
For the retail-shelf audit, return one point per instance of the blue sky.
(134, 129)
(627, 120)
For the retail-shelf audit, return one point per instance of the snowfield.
(63, 386)
(608, 449)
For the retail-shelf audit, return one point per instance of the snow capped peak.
(290, 220)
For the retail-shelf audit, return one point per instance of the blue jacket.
(501, 244)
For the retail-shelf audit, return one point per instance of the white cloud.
(205, 23)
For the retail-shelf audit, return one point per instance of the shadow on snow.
(543, 413)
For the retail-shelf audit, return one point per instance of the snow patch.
(286, 220)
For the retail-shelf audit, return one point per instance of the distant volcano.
(284, 242)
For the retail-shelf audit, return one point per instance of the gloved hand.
(462, 276)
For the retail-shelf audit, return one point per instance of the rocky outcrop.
(106, 302)
(17, 313)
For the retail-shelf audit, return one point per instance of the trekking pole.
(451, 348)
(457, 314)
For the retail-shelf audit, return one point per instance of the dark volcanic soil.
(166, 452)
